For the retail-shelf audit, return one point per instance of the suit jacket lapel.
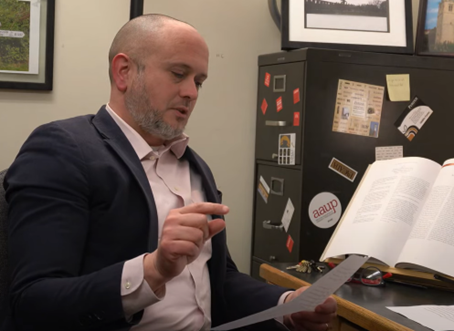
(115, 138)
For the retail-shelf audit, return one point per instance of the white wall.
(223, 124)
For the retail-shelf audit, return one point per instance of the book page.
(437, 318)
(431, 242)
(379, 219)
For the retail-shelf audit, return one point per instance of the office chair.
(4, 304)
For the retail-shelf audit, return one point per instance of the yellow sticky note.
(398, 87)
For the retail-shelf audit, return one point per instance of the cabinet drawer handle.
(267, 225)
(277, 186)
(276, 123)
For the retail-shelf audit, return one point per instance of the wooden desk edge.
(346, 309)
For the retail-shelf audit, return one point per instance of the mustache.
(185, 104)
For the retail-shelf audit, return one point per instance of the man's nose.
(189, 90)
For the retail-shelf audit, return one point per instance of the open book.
(402, 214)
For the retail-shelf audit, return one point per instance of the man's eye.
(177, 74)
(199, 85)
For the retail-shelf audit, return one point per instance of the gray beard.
(147, 118)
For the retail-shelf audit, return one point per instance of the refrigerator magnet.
(413, 118)
(264, 106)
(388, 152)
(287, 149)
(267, 79)
(343, 169)
(289, 243)
(279, 106)
(263, 189)
(296, 118)
(325, 210)
(296, 95)
(288, 214)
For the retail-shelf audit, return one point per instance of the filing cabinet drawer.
(279, 108)
(276, 186)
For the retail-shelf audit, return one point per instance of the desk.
(363, 307)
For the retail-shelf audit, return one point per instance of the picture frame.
(136, 9)
(433, 38)
(385, 26)
(30, 34)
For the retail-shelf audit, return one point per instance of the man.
(114, 222)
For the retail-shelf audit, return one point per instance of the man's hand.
(320, 320)
(184, 233)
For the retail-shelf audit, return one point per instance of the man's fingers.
(181, 248)
(186, 233)
(327, 307)
(206, 208)
(198, 221)
(215, 226)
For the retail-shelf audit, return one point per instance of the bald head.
(140, 36)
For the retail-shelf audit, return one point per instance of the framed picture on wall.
(363, 25)
(27, 44)
(435, 33)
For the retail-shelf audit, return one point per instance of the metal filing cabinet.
(297, 97)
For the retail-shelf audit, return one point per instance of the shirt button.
(128, 285)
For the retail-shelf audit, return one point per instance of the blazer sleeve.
(48, 192)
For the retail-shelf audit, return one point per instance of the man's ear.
(122, 67)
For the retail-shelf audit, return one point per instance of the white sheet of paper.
(388, 152)
(288, 214)
(309, 299)
(437, 318)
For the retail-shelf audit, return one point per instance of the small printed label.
(279, 104)
(413, 118)
(325, 210)
(389, 152)
(296, 119)
(296, 95)
(265, 185)
(288, 214)
(287, 148)
(263, 189)
(343, 169)
(289, 243)
(267, 79)
(264, 106)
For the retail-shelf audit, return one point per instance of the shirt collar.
(141, 147)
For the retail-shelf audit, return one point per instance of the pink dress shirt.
(186, 304)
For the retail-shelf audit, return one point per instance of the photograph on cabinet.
(359, 15)
(436, 28)
(363, 25)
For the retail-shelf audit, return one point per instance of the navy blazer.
(80, 205)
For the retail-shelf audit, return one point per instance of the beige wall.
(223, 123)
(84, 30)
